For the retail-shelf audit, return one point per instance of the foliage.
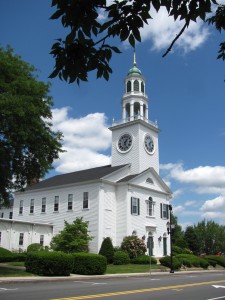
(133, 246)
(220, 260)
(87, 46)
(5, 255)
(49, 263)
(35, 247)
(143, 260)
(178, 250)
(210, 236)
(73, 238)
(107, 249)
(25, 114)
(177, 233)
(166, 261)
(89, 264)
(121, 258)
(192, 260)
(192, 240)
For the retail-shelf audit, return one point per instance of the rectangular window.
(21, 239)
(21, 207)
(42, 239)
(85, 200)
(135, 206)
(10, 215)
(164, 211)
(31, 206)
(70, 202)
(56, 203)
(2, 215)
(43, 205)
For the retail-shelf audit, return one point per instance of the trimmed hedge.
(5, 255)
(143, 260)
(107, 249)
(191, 260)
(219, 260)
(121, 258)
(49, 263)
(35, 247)
(89, 264)
(165, 261)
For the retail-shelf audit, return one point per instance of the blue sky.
(186, 93)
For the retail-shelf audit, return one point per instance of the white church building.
(124, 198)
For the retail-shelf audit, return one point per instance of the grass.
(7, 272)
(132, 268)
(16, 263)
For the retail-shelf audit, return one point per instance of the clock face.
(125, 142)
(149, 144)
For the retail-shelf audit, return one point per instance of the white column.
(124, 113)
(131, 111)
(141, 111)
(146, 113)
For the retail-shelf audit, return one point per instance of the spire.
(135, 58)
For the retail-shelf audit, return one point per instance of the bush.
(179, 250)
(35, 247)
(133, 246)
(191, 260)
(49, 263)
(219, 260)
(165, 261)
(143, 260)
(5, 255)
(121, 258)
(89, 264)
(107, 249)
(19, 256)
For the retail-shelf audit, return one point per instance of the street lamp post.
(170, 227)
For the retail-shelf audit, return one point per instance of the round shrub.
(133, 246)
(107, 249)
(143, 260)
(49, 263)
(5, 255)
(89, 264)
(121, 258)
(165, 261)
(34, 247)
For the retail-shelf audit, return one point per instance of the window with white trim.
(10, 215)
(21, 207)
(43, 205)
(135, 206)
(21, 237)
(150, 207)
(31, 206)
(70, 202)
(85, 200)
(56, 204)
(42, 239)
(164, 211)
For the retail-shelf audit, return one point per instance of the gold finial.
(134, 57)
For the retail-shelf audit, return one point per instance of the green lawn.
(5, 272)
(132, 268)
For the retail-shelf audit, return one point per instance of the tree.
(107, 249)
(177, 233)
(192, 240)
(73, 238)
(28, 145)
(88, 45)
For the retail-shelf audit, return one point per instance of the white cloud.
(84, 139)
(178, 209)
(217, 204)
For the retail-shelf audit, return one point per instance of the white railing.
(137, 117)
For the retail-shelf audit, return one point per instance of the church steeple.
(134, 101)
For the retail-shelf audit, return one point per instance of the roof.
(75, 177)
(127, 178)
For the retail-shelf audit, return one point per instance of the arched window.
(136, 109)
(128, 111)
(128, 86)
(136, 86)
(142, 87)
(150, 206)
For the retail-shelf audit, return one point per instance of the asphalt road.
(178, 286)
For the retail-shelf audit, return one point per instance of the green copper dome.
(134, 71)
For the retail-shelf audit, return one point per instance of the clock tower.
(135, 137)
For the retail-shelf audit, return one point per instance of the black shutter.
(131, 202)
(167, 211)
(161, 210)
(138, 206)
